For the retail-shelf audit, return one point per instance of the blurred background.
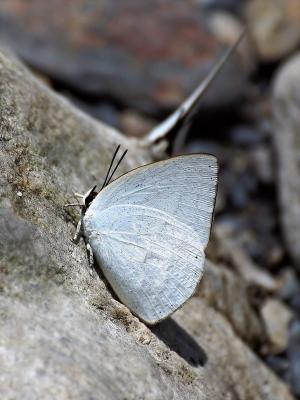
(130, 63)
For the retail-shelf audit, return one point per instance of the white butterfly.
(148, 230)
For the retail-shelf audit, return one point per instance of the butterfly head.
(88, 197)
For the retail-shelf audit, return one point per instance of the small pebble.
(274, 27)
(277, 318)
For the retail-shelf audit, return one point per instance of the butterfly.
(148, 230)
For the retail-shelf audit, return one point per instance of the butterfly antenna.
(116, 167)
(111, 164)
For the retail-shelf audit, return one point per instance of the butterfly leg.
(79, 231)
(81, 196)
(90, 258)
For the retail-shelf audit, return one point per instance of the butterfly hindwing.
(152, 261)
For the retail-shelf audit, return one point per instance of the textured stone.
(149, 55)
(63, 335)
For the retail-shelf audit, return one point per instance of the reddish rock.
(149, 55)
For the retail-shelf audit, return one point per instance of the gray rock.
(63, 334)
(147, 55)
(286, 105)
(294, 356)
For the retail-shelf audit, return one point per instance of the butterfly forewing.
(148, 230)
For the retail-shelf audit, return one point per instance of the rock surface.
(286, 106)
(274, 27)
(63, 334)
(149, 55)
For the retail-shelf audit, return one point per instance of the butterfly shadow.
(178, 340)
(171, 333)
